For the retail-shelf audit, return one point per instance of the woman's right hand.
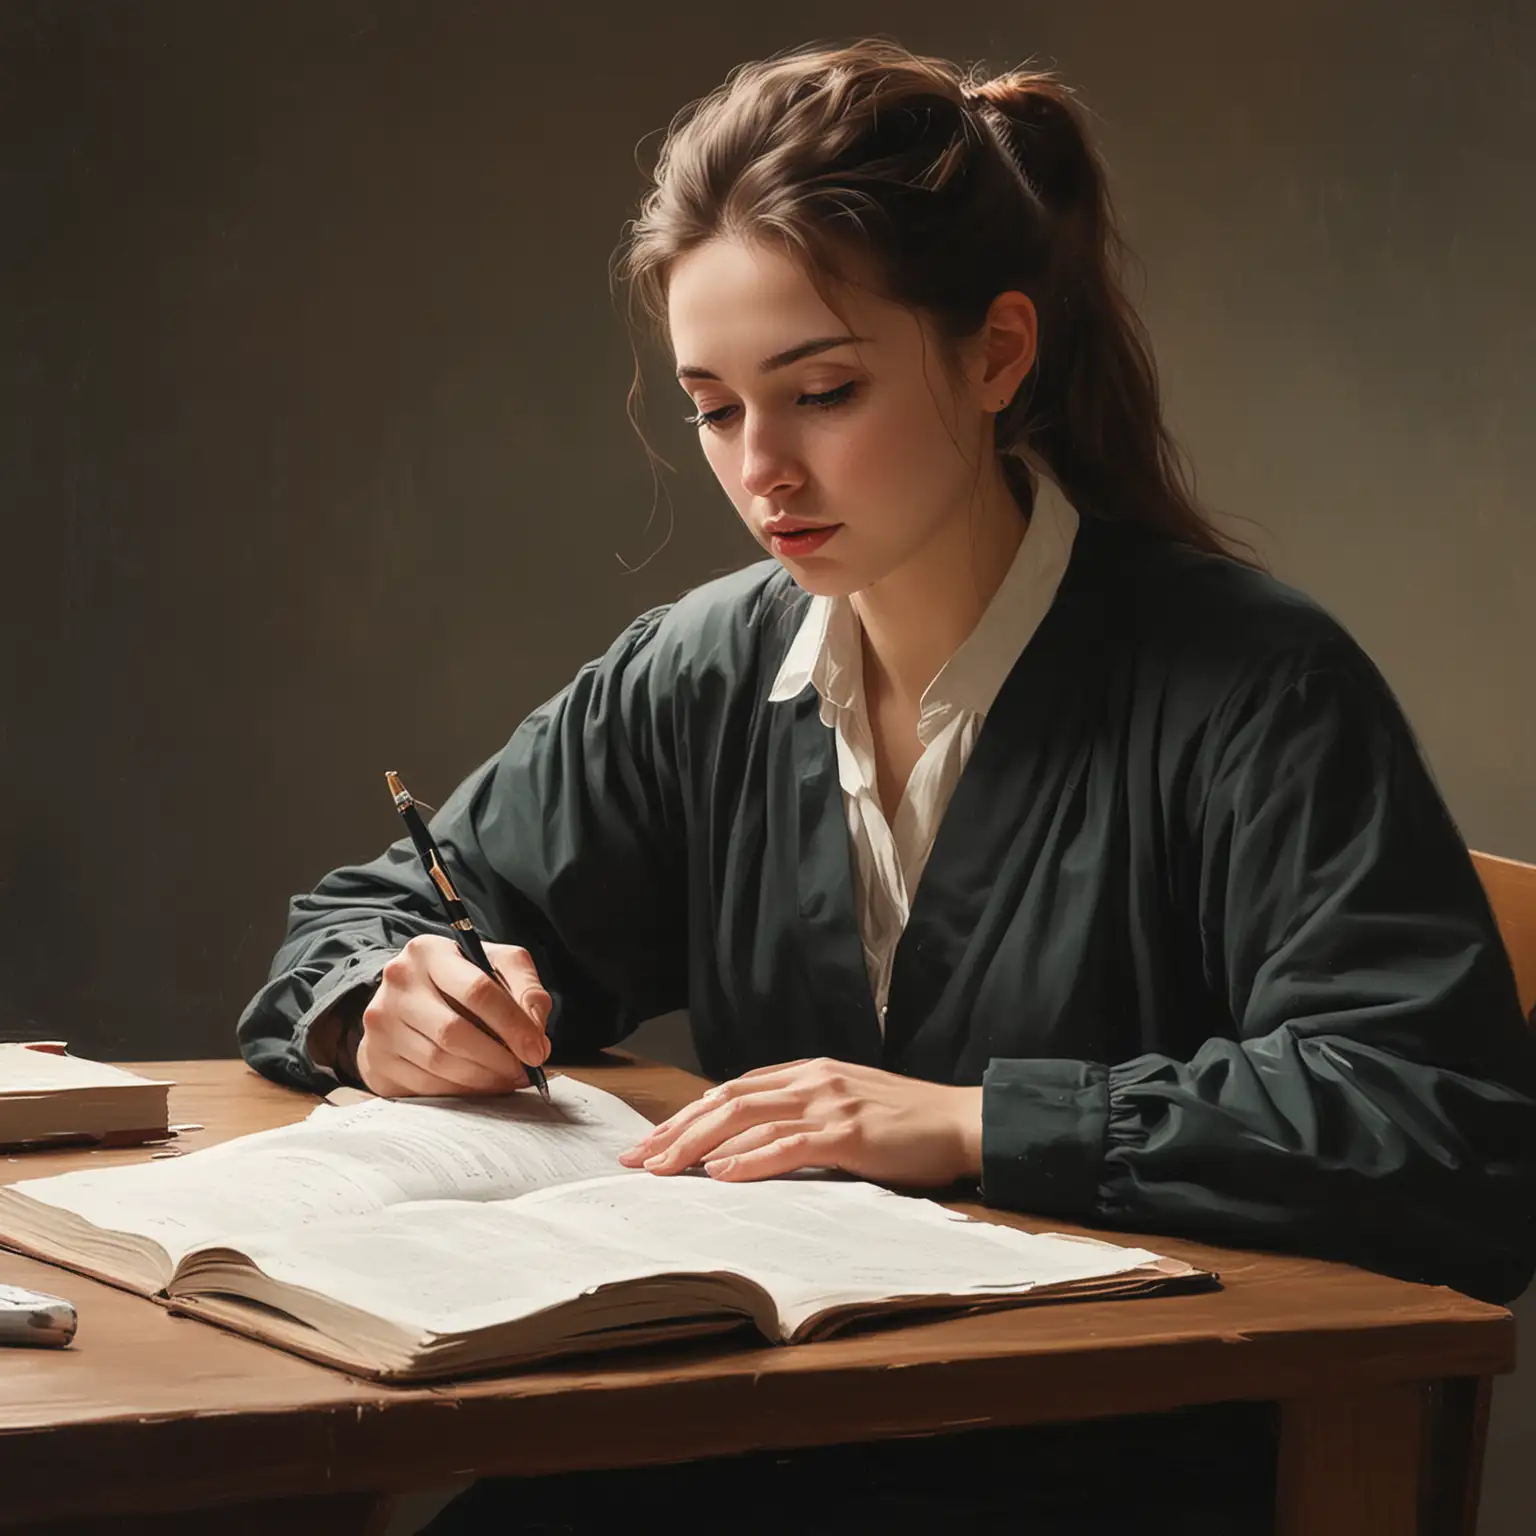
(419, 1037)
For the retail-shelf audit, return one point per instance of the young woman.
(1004, 825)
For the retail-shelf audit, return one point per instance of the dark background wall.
(308, 365)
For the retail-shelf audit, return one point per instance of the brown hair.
(956, 189)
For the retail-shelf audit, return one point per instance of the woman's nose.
(768, 465)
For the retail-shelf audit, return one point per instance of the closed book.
(49, 1097)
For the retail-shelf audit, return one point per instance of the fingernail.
(657, 1161)
(720, 1165)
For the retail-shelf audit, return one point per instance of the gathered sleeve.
(1376, 1100)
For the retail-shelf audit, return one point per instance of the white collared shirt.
(828, 654)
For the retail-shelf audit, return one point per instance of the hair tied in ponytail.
(1045, 131)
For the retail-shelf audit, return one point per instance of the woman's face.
(858, 429)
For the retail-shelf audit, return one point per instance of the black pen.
(463, 929)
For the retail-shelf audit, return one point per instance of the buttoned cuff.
(1043, 1126)
(358, 974)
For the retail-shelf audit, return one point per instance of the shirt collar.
(827, 651)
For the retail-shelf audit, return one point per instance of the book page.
(346, 1161)
(451, 1268)
(817, 1244)
(440, 1267)
(26, 1069)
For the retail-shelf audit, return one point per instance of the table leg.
(1350, 1463)
(1455, 1435)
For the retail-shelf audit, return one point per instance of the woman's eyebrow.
(779, 359)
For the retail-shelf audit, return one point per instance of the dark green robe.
(1196, 916)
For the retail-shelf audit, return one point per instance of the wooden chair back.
(1511, 888)
(1456, 1423)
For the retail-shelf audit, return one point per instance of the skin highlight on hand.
(821, 1113)
(421, 1037)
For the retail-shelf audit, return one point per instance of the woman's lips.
(806, 541)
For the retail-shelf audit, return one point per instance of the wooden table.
(149, 1413)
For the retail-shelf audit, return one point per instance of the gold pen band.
(442, 882)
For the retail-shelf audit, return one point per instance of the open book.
(415, 1239)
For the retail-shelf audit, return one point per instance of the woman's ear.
(1009, 337)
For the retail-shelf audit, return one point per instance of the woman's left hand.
(822, 1114)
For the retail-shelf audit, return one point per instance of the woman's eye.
(828, 399)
